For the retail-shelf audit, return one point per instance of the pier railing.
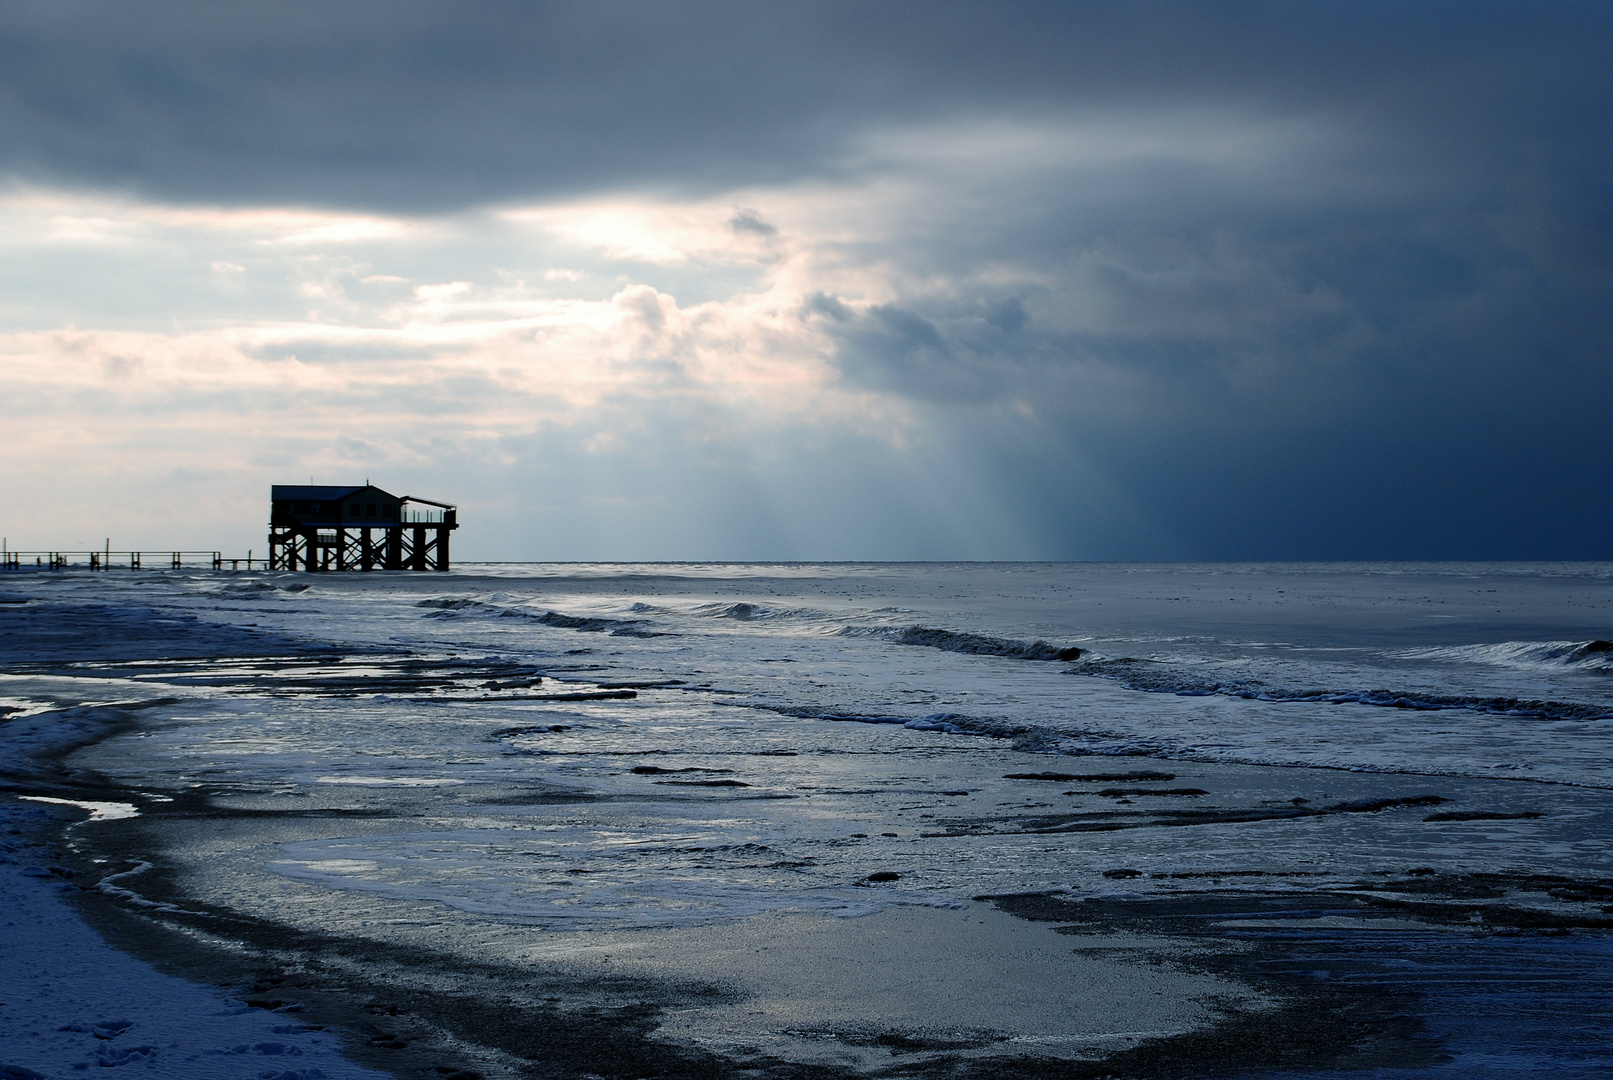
(107, 559)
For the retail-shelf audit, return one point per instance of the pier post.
(417, 556)
(442, 549)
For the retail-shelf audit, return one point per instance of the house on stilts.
(356, 528)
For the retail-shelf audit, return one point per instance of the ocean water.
(576, 752)
(838, 694)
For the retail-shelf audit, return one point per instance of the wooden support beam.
(417, 548)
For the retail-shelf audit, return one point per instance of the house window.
(369, 511)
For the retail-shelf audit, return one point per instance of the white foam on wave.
(963, 642)
(1584, 655)
(15, 708)
(99, 811)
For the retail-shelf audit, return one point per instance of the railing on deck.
(107, 559)
(410, 511)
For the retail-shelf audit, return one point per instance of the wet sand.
(1218, 974)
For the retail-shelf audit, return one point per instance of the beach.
(828, 820)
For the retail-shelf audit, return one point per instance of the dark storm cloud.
(1414, 382)
(425, 105)
(1383, 332)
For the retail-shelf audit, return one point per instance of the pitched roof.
(319, 493)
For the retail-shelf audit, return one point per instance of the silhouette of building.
(356, 528)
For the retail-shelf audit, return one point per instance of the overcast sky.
(816, 280)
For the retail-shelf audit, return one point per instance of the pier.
(107, 559)
(357, 528)
(310, 528)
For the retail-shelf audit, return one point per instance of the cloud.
(831, 280)
(750, 221)
(419, 106)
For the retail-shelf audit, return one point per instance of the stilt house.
(356, 528)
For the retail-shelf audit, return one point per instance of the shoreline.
(1215, 964)
(607, 1026)
(397, 1014)
(83, 992)
(1318, 969)
(77, 994)
(407, 1022)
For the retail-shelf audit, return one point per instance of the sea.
(1391, 782)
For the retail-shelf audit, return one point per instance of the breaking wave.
(591, 624)
(449, 607)
(1029, 738)
(1154, 677)
(744, 612)
(239, 590)
(1584, 655)
(971, 644)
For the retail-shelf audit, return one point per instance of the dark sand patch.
(1400, 977)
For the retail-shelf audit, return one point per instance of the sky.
(1119, 281)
